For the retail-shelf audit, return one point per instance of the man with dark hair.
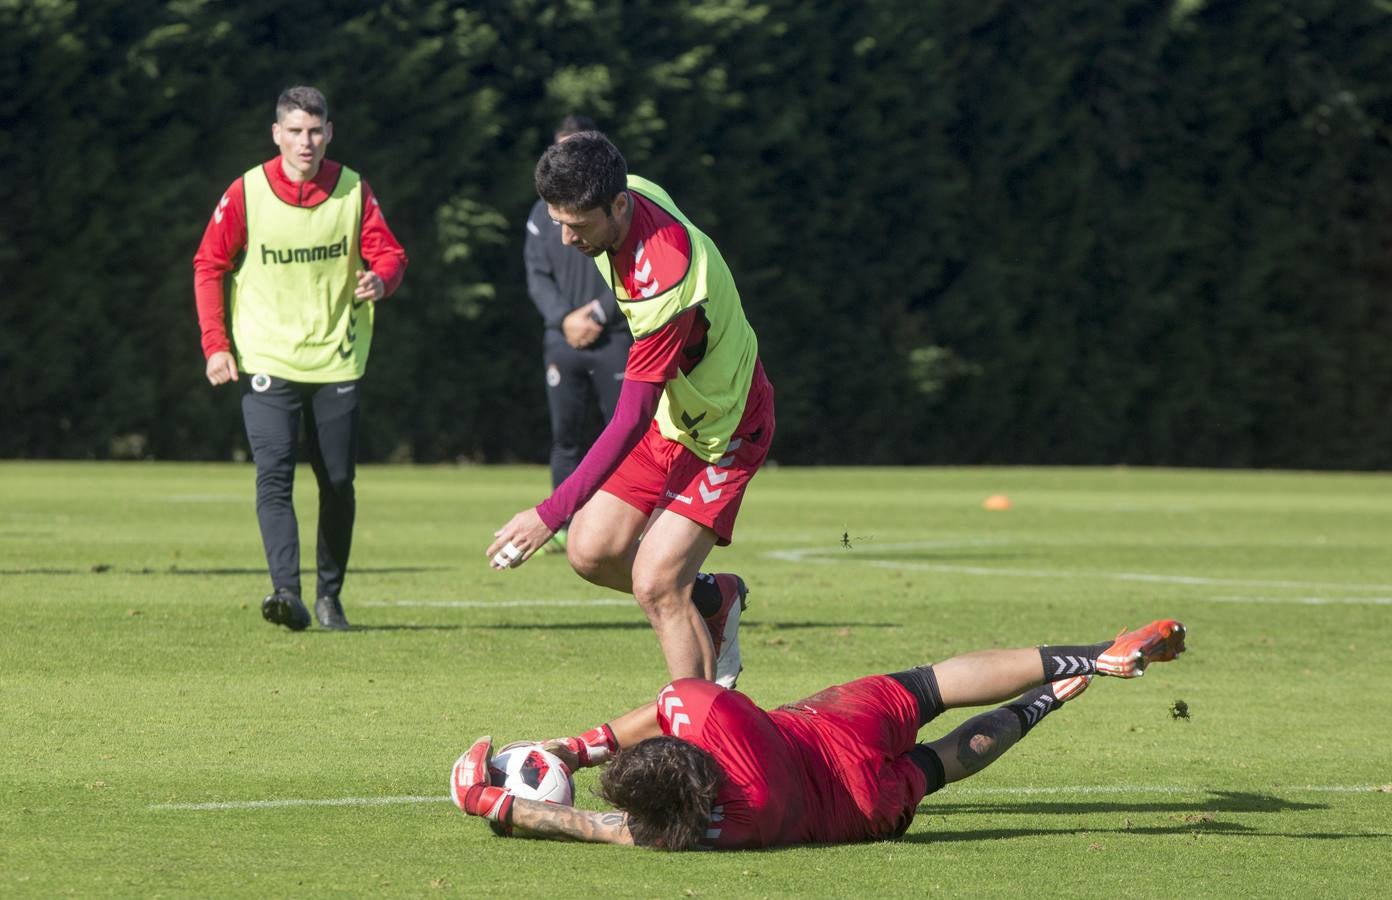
(309, 254)
(710, 770)
(693, 423)
(585, 340)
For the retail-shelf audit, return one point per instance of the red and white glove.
(593, 748)
(472, 793)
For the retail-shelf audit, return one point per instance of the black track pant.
(575, 381)
(272, 416)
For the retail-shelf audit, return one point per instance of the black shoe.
(329, 612)
(284, 607)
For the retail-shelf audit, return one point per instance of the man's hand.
(579, 329)
(567, 750)
(471, 792)
(593, 748)
(370, 286)
(515, 542)
(222, 368)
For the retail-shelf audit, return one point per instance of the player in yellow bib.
(302, 248)
(694, 420)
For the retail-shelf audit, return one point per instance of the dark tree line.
(1102, 231)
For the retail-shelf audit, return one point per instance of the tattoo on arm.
(566, 823)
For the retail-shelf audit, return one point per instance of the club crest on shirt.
(553, 376)
(260, 382)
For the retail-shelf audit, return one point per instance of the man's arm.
(637, 402)
(542, 286)
(471, 792)
(551, 821)
(380, 248)
(652, 361)
(223, 240)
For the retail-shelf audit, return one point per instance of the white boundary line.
(1308, 601)
(839, 556)
(285, 803)
(1061, 790)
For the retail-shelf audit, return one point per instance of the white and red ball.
(532, 773)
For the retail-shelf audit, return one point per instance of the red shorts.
(865, 728)
(662, 474)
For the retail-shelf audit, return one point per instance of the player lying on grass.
(714, 771)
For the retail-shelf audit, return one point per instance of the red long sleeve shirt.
(226, 237)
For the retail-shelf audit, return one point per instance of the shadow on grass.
(1217, 801)
(399, 628)
(798, 626)
(1181, 829)
(1195, 818)
(643, 625)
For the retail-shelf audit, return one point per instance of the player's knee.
(340, 483)
(657, 595)
(274, 460)
(588, 560)
(273, 475)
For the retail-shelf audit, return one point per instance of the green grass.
(137, 677)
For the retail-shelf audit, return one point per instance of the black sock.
(705, 593)
(1065, 661)
(926, 758)
(1033, 706)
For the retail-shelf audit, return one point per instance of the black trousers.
(575, 381)
(272, 409)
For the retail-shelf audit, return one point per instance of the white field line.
(1308, 601)
(841, 557)
(499, 604)
(1060, 791)
(284, 803)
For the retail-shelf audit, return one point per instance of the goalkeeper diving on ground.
(708, 769)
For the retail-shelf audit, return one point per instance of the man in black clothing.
(585, 342)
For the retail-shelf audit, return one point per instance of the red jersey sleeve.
(658, 356)
(223, 240)
(637, 402)
(380, 248)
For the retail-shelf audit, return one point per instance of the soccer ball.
(531, 773)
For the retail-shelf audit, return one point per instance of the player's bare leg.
(988, 676)
(664, 570)
(603, 541)
(1049, 676)
(659, 572)
(604, 549)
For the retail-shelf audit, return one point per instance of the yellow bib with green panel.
(699, 410)
(294, 315)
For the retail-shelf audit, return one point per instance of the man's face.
(302, 138)
(593, 231)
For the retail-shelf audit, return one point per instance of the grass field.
(157, 738)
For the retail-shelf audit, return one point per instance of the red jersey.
(828, 769)
(655, 255)
(226, 236)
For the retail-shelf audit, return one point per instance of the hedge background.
(967, 231)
